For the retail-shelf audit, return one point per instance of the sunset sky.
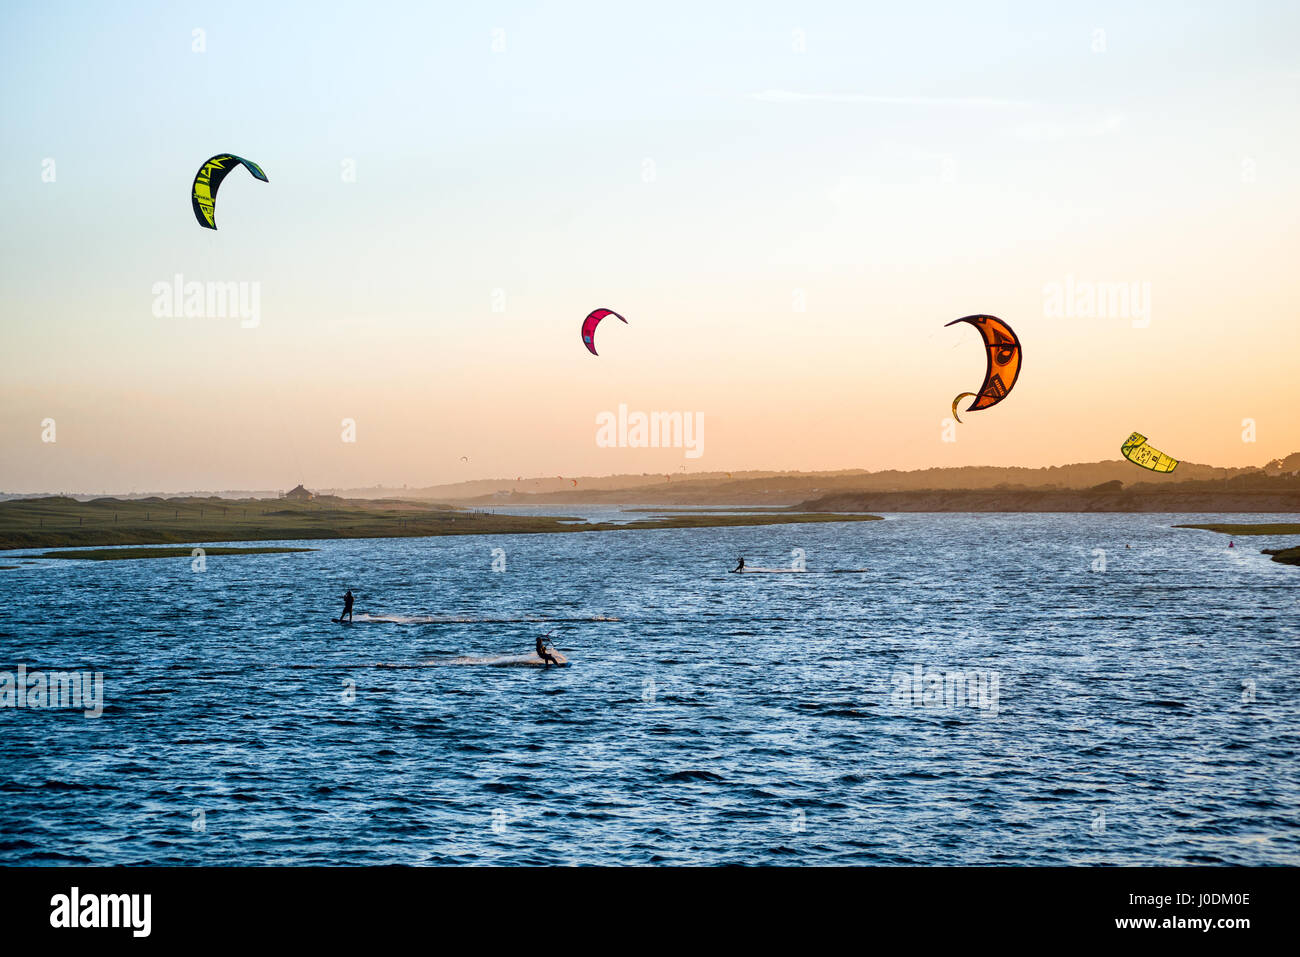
(787, 201)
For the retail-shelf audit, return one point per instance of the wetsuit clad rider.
(740, 566)
(545, 655)
(347, 606)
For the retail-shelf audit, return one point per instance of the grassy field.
(122, 554)
(57, 521)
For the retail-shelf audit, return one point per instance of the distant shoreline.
(768, 488)
(1268, 496)
(62, 522)
(56, 521)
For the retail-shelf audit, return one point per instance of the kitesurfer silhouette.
(347, 606)
(740, 565)
(545, 655)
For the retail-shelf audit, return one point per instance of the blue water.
(1148, 713)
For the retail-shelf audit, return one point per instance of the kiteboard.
(341, 621)
(767, 571)
(531, 660)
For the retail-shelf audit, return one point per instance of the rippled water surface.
(1144, 713)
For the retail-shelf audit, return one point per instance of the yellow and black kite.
(1137, 451)
(203, 195)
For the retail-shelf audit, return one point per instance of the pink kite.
(589, 327)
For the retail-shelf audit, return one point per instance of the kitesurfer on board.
(347, 606)
(545, 655)
(740, 565)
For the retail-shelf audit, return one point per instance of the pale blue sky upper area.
(452, 136)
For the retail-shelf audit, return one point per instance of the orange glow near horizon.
(786, 235)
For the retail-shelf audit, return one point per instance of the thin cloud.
(972, 102)
(1088, 129)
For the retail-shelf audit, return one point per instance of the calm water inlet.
(932, 689)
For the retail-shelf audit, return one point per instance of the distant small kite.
(203, 194)
(589, 327)
(1003, 362)
(1136, 450)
